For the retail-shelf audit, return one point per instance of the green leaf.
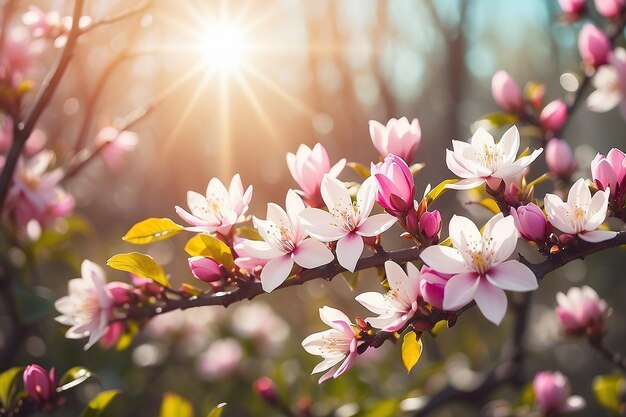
(360, 169)
(51, 238)
(351, 278)
(7, 385)
(411, 350)
(381, 408)
(217, 411)
(248, 233)
(99, 403)
(527, 396)
(141, 265)
(438, 190)
(608, 390)
(174, 405)
(32, 306)
(152, 230)
(500, 119)
(75, 376)
(210, 247)
(415, 168)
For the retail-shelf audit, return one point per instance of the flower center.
(491, 157)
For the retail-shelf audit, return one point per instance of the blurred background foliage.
(315, 71)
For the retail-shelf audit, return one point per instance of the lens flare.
(224, 47)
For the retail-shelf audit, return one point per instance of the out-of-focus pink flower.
(610, 8)
(553, 116)
(506, 93)
(112, 336)
(34, 144)
(88, 306)
(39, 384)
(115, 145)
(432, 284)
(560, 158)
(266, 389)
(308, 167)
(146, 285)
(221, 359)
(258, 322)
(610, 83)
(43, 25)
(572, 6)
(205, 269)
(531, 223)
(35, 193)
(19, 53)
(610, 172)
(120, 292)
(334, 345)
(429, 224)
(593, 45)
(552, 394)
(396, 186)
(219, 210)
(398, 137)
(581, 310)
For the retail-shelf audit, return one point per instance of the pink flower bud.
(560, 158)
(553, 116)
(120, 291)
(113, 334)
(609, 8)
(115, 145)
(531, 223)
(506, 93)
(572, 6)
(593, 45)
(308, 167)
(395, 185)
(551, 391)
(610, 171)
(581, 310)
(430, 224)
(39, 385)
(266, 389)
(431, 286)
(146, 285)
(205, 269)
(398, 137)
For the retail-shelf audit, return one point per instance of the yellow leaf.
(248, 233)
(440, 326)
(608, 390)
(411, 350)
(210, 247)
(139, 264)
(415, 168)
(152, 230)
(360, 169)
(438, 190)
(174, 405)
(490, 204)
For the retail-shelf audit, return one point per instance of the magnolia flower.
(609, 172)
(594, 46)
(552, 394)
(482, 160)
(88, 306)
(581, 215)
(399, 304)
(581, 309)
(479, 266)
(35, 193)
(610, 84)
(335, 345)
(219, 210)
(560, 159)
(531, 223)
(506, 93)
(395, 185)
(114, 145)
(432, 286)
(308, 167)
(39, 384)
(345, 221)
(284, 242)
(398, 137)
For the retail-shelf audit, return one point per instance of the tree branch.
(132, 11)
(613, 357)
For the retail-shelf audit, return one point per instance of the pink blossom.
(222, 358)
(593, 45)
(115, 145)
(560, 158)
(610, 8)
(120, 292)
(88, 306)
(43, 25)
(429, 224)
(531, 223)
(337, 344)
(113, 334)
(19, 54)
(308, 167)
(245, 260)
(39, 384)
(205, 269)
(610, 84)
(552, 394)
(34, 144)
(346, 222)
(266, 389)
(479, 265)
(572, 6)
(219, 210)
(506, 93)
(432, 285)
(399, 304)
(581, 309)
(610, 172)
(553, 115)
(395, 185)
(398, 137)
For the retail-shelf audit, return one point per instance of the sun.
(224, 47)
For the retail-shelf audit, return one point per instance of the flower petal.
(444, 259)
(376, 224)
(318, 223)
(459, 290)
(466, 184)
(491, 301)
(349, 250)
(312, 253)
(512, 275)
(373, 301)
(597, 236)
(275, 272)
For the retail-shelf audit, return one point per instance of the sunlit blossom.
(398, 137)
(610, 84)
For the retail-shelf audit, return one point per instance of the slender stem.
(22, 131)
(613, 357)
(132, 11)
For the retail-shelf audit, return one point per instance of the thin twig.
(613, 357)
(132, 11)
